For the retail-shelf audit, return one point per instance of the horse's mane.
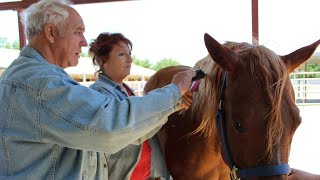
(268, 70)
(204, 103)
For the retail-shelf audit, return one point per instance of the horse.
(242, 118)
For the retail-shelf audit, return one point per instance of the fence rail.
(307, 87)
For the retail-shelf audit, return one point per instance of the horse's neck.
(182, 118)
(191, 156)
(185, 124)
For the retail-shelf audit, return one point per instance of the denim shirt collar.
(110, 85)
(107, 83)
(29, 52)
(32, 54)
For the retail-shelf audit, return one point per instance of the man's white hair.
(44, 12)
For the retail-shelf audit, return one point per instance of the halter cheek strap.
(236, 173)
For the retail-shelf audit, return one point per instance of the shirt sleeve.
(79, 117)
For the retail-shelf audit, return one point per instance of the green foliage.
(144, 63)
(7, 45)
(165, 63)
(3, 41)
(309, 68)
(82, 54)
(15, 45)
(85, 52)
(313, 68)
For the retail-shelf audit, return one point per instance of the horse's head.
(260, 114)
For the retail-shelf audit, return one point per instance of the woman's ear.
(101, 61)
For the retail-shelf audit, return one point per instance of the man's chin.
(74, 63)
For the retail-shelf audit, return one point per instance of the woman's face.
(118, 65)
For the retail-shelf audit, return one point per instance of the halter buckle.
(233, 173)
(220, 104)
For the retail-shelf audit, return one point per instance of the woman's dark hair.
(102, 46)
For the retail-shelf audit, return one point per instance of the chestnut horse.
(242, 118)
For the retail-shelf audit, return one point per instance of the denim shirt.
(53, 128)
(122, 163)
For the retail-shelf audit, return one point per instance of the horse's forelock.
(270, 72)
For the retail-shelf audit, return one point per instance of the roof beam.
(94, 1)
(21, 5)
(18, 5)
(26, 3)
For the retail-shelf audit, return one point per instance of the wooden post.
(22, 37)
(255, 22)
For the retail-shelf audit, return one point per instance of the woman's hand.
(297, 174)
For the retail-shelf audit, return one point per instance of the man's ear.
(50, 32)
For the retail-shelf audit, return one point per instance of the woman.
(111, 52)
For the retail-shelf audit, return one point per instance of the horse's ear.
(223, 56)
(299, 56)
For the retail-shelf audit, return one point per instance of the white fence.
(307, 89)
(137, 86)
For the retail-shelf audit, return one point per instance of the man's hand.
(186, 100)
(183, 80)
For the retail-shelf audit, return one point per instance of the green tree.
(82, 54)
(7, 45)
(313, 68)
(165, 63)
(144, 63)
(15, 45)
(309, 68)
(3, 41)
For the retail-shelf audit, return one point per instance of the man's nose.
(84, 43)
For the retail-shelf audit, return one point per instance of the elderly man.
(54, 128)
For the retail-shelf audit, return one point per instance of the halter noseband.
(236, 173)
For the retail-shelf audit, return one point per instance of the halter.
(235, 173)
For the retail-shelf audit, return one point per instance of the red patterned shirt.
(143, 168)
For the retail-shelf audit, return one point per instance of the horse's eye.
(237, 125)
